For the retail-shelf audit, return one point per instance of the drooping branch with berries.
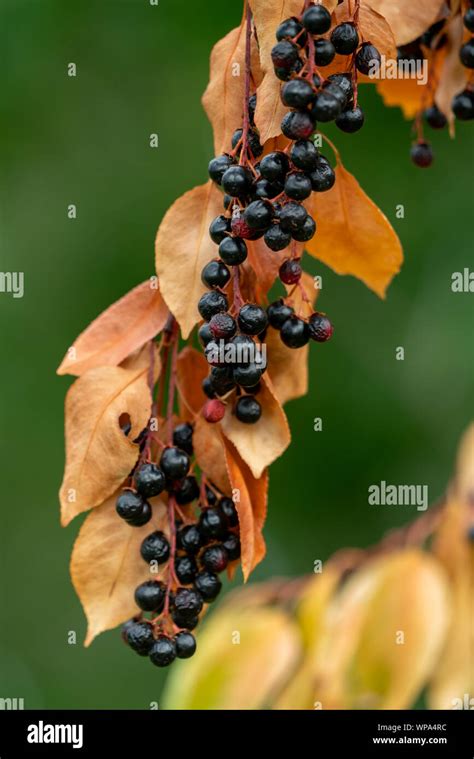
(168, 444)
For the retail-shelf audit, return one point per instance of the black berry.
(155, 547)
(185, 645)
(316, 19)
(293, 216)
(326, 107)
(435, 118)
(183, 437)
(276, 238)
(218, 166)
(463, 105)
(212, 523)
(278, 312)
(149, 480)
(219, 228)
(323, 177)
(174, 463)
(324, 52)
(284, 54)
(320, 328)
(466, 54)
(307, 231)
(232, 545)
(248, 410)
(298, 93)
(212, 303)
(295, 332)
(233, 251)
(247, 375)
(368, 59)
(237, 181)
(186, 569)
(133, 508)
(189, 539)
(290, 28)
(351, 121)
(187, 492)
(139, 636)
(188, 602)
(266, 189)
(298, 185)
(205, 335)
(259, 214)
(253, 139)
(422, 154)
(208, 585)
(274, 166)
(468, 19)
(304, 155)
(150, 596)
(227, 506)
(297, 125)
(221, 380)
(345, 38)
(252, 319)
(163, 651)
(222, 326)
(208, 388)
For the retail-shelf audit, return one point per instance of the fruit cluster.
(463, 102)
(197, 550)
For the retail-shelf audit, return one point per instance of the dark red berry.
(320, 328)
(294, 332)
(233, 251)
(150, 595)
(212, 303)
(316, 19)
(248, 410)
(276, 238)
(240, 228)
(278, 312)
(252, 319)
(215, 558)
(351, 121)
(163, 651)
(297, 125)
(345, 38)
(223, 326)
(155, 547)
(290, 271)
(213, 411)
(422, 154)
(435, 118)
(368, 59)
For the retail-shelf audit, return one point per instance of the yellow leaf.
(98, 454)
(117, 332)
(354, 236)
(262, 443)
(243, 656)
(183, 247)
(106, 566)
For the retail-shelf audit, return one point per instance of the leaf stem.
(246, 115)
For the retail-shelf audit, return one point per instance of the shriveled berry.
(150, 595)
(297, 93)
(133, 508)
(316, 19)
(139, 636)
(208, 585)
(212, 303)
(186, 569)
(189, 539)
(463, 105)
(290, 271)
(320, 328)
(240, 228)
(149, 480)
(276, 238)
(252, 319)
(215, 558)
(323, 177)
(345, 38)
(253, 139)
(188, 602)
(213, 411)
(237, 181)
(435, 118)
(278, 312)
(259, 214)
(351, 121)
(290, 28)
(344, 82)
(244, 347)
(223, 326)
(298, 185)
(284, 54)
(231, 544)
(183, 437)
(274, 166)
(297, 125)
(163, 651)
(292, 216)
(304, 155)
(227, 506)
(219, 228)
(295, 332)
(326, 106)
(368, 59)
(218, 166)
(248, 375)
(188, 490)
(324, 52)
(174, 463)
(307, 231)
(466, 54)
(212, 523)
(185, 644)
(422, 154)
(248, 410)
(155, 547)
(233, 251)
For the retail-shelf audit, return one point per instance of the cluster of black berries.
(463, 102)
(203, 549)
(231, 345)
(295, 331)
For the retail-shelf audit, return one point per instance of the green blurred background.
(85, 140)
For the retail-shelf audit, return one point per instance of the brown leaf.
(270, 110)
(408, 19)
(452, 75)
(192, 368)
(98, 454)
(354, 236)
(183, 247)
(223, 99)
(207, 443)
(251, 507)
(262, 443)
(373, 27)
(118, 331)
(288, 368)
(405, 93)
(106, 566)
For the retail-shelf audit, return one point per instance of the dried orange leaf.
(453, 76)
(106, 566)
(408, 19)
(207, 443)
(251, 505)
(118, 331)
(192, 368)
(405, 93)
(262, 443)
(183, 247)
(354, 236)
(98, 454)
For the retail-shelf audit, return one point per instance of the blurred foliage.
(85, 140)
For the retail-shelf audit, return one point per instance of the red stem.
(172, 384)
(246, 121)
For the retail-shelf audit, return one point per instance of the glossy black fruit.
(215, 558)
(208, 585)
(231, 544)
(297, 125)
(295, 332)
(188, 602)
(187, 492)
(149, 480)
(422, 154)
(345, 38)
(351, 121)
(139, 636)
(292, 216)
(324, 52)
(227, 506)
(248, 410)
(183, 437)
(219, 228)
(185, 645)
(259, 214)
(189, 539)
(212, 303)
(233, 251)
(316, 19)
(435, 118)
(212, 523)
(323, 177)
(276, 238)
(466, 54)
(304, 155)
(463, 105)
(274, 166)
(237, 181)
(155, 547)
(163, 651)
(298, 185)
(368, 59)
(327, 107)
(247, 375)
(186, 569)
(307, 231)
(150, 596)
(175, 463)
(218, 166)
(297, 93)
(252, 319)
(133, 508)
(278, 312)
